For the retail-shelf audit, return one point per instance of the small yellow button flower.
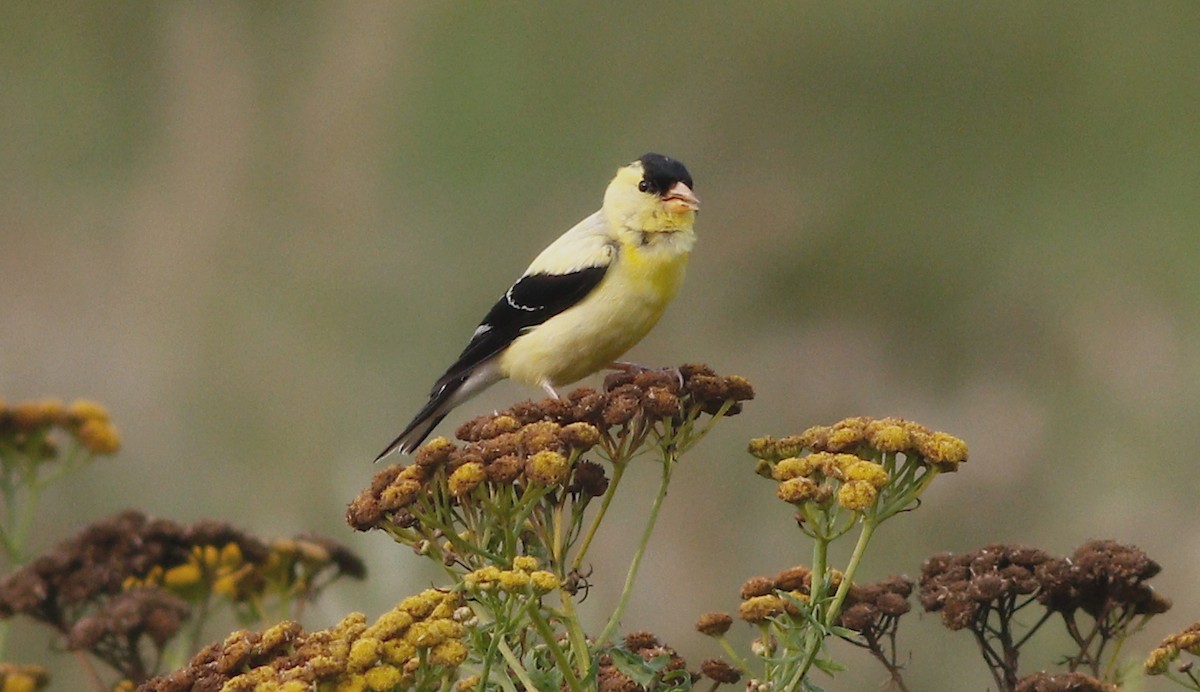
(466, 478)
(856, 495)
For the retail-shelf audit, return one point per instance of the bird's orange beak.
(680, 198)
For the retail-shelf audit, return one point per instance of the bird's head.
(652, 195)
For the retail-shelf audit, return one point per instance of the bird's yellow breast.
(623, 308)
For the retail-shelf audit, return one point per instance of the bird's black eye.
(645, 186)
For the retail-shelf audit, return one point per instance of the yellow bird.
(585, 300)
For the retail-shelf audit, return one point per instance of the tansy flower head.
(757, 586)
(397, 651)
(543, 581)
(450, 653)
(506, 469)
(588, 479)
(382, 677)
(541, 436)
(719, 671)
(422, 604)
(483, 578)
(888, 435)
(514, 581)
(547, 467)
(580, 435)
(29, 415)
(714, 624)
(798, 490)
(759, 608)
(856, 495)
(82, 410)
(795, 578)
(364, 653)
(1160, 659)
(99, 437)
(794, 467)
(867, 471)
(435, 452)
(466, 478)
(400, 494)
(944, 452)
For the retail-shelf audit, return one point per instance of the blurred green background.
(258, 232)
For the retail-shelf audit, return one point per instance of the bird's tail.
(417, 430)
(447, 394)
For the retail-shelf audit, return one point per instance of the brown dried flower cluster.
(1100, 576)
(410, 647)
(868, 437)
(647, 647)
(1160, 659)
(963, 588)
(1063, 682)
(122, 621)
(984, 589)
(540, 442)
(539, 452)
(127, 580)
(97, 561)
(628, 397)
(873, 609)
(28, 427)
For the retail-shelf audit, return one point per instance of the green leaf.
(828, 666)
(634, 667)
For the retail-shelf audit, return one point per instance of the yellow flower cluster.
(293, 568)
(419, 641)
(821, 476)
(20, 678)
(523, 578)
(27, 425)
(208, 568)
(852, 461)
(1161, 657)
(869, 437)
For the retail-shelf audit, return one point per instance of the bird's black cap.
(661, 172)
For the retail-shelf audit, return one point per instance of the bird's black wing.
(532, 300)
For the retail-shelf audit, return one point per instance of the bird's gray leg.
(550, 390)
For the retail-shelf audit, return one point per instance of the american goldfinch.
(585, 300)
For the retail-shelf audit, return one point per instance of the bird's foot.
(635, 369)
(550, 390)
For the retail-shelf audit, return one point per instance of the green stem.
(516, 667)
(829, 612)
(575, 632)
(738, 660)
(869, 525)
(543, 627)
(814, 636)
(618, 472)
(669, 460)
